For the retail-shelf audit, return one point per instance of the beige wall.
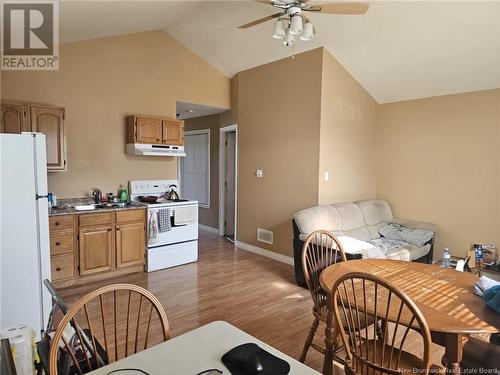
(347, 137)
(102, 80)
(438, 161)
(278, 131)
(210, 216)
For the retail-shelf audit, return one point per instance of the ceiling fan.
(292, 22)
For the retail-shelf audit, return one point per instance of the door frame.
(222, 179)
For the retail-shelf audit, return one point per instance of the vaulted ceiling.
(399, 50)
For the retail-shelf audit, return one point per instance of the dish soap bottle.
(122, 194)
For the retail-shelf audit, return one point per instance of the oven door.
(176, 234)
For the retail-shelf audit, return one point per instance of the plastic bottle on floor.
(446, 258)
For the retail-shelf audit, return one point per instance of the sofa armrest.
(416, 224)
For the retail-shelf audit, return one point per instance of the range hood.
(154, 149)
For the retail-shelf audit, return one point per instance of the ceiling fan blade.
(260, 20)
(340, 8)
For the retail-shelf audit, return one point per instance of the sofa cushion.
(324, 217)
(352, 245)
(360, 233)
(350, 216)
(375, 211)
(400, 250)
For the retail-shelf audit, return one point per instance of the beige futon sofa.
(356, 222)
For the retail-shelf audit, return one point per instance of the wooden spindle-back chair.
(321, 249)
(358, 296)
(106, 325)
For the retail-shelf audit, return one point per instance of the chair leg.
(330, 335)
(309, 339)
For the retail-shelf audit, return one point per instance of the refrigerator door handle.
(41, 196)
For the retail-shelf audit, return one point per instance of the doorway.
(228, 181)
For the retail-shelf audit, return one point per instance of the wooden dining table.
(445, 297)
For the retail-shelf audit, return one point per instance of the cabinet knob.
(58, 269)
(57, 223)
(58, 243)
(109, 229)
(157, 139)
(118, 228)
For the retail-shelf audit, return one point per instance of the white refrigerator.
(24, 232)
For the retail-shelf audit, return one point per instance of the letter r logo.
(28, 29)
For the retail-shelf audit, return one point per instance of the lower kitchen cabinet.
(96, 249)
(93, 246)
(130, 239)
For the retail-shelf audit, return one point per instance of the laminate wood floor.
(254, 293)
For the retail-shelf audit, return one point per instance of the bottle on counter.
(123, 194)
(446, 258)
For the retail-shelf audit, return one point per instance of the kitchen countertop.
(68, 210)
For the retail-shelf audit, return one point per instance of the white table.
(196, 351)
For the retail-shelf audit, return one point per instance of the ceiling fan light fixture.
(308, 32)
(289, 39)
(279, 30)
(296, 25)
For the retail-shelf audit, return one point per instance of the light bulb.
(289, 39)
(279, 30)
(296, 25)
(308, 32)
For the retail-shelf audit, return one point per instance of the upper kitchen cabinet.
(173, 132)
(147, 130)
(154, 136)
(14, 118)
(50, 121)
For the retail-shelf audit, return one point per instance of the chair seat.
(323, 314)
(479, 354)
(408, 361)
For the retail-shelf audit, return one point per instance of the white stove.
(172, 226)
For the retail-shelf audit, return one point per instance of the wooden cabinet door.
(130, 244)
(50, 121)
(148, 130)
(14, 119)
(96, 249)
(173, 132)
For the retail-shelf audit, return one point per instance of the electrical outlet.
(327, 176)
(259, 173)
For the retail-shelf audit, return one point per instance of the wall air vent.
(265, 236)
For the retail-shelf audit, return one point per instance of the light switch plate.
(327, 176)
(259, 173)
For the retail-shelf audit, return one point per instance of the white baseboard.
(267, 253)
(206, 228)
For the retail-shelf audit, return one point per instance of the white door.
(195, 167)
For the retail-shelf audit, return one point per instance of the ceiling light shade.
(308, 32)
(296, 25)
(289, 39)
(279, 30)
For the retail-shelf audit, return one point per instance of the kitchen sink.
(90, 207)
(86, 207)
